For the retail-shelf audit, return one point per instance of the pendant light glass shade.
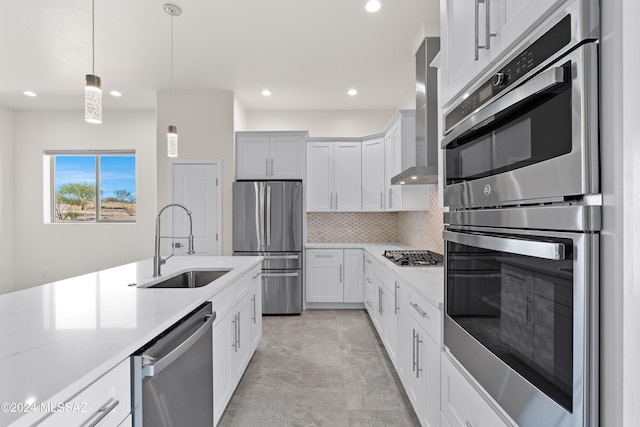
(172, 141)
(93, 99)
(93, 88)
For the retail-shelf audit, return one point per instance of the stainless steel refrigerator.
(267, 221)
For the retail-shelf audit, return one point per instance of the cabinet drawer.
(239, 289)
(107, 401)
(462, 404)
(428, 316)
(324, 256)
(221, 302)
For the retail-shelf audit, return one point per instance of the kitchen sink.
(190, 279)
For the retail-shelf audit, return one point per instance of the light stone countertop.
(57, 338)
(428, 281)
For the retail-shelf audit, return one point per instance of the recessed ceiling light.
(414, 177)
(29, 93)
(352, 92)
(373, 6)
(401, 182)
(115, 93)
(266, 92)
(465, 96)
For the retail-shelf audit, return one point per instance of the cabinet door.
(324, 275)
(462, 404)
(320, 176)
(512, 19)
(224, 341)
(459, 26)
(432, 383)
(252, 157)
(373, 175)
(347, 181)
(393, 166)
(286, 157)
(390, 322)
(415, 384)
(242, 353)
(255, 307)
(354, 275)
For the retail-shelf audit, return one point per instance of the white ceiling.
(307, 52)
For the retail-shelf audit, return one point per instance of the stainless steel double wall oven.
(521, 180)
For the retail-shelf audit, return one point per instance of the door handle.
(419, 310)
(235, 333)
(159, 365)
(395, 298)
(390, 198)
(238, 325)
(340, 273)
(546, 250)
(331, 201)
(254, 309)
(336, 200)
(418, 368)
(476, 32)
(271, 167)
(267, 163)
(294, 274)
(382, 200)
(102, 413)
(489, 34)
(268, 225)
(413, 350)
(381, 301)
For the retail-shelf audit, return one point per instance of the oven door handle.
(543, 81)
(546, 250)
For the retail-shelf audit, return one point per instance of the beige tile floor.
(322, 368)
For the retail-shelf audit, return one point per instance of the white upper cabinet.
(461, 30)
(393, 166)
(373, 176)
(334, 176)
(400, 154)
(471, 43)
(270, 156)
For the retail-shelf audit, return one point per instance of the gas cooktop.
(414, 258)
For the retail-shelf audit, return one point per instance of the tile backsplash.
(343, 227)
(422, 230)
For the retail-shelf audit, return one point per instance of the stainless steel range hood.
(426, 169)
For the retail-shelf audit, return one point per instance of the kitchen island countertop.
(58, 338)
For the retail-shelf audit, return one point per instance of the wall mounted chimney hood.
(426, 169)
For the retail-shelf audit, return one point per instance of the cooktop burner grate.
(414, 258)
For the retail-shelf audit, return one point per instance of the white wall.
(205, 120)
(620, 248)
(320, 123)
(239, 116)
(6, 200)
(48, 252)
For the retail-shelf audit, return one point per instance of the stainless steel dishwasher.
(173, 375)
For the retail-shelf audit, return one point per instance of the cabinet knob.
(500, 79)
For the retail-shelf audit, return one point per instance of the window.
(92, 186)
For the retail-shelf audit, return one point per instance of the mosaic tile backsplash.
(422, 230)
(344, 227)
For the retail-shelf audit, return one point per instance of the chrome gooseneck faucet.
(157, 259)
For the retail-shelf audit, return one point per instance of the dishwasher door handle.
(160, 364)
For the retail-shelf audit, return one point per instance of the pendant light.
(172, 131)
(93, 90)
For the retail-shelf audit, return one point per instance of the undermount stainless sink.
(190, 279)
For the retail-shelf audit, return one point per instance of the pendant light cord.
(173, 92)
(93, 37)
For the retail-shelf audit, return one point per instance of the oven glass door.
(517, 139)
(514, 294)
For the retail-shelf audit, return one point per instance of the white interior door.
(195, 185)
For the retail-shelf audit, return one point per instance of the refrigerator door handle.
(268, 222)
(260, 213)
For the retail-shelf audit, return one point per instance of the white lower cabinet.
(421, 356)
(410, 329)
(106, 401)
(462, 404)
(334, 276)
(236, 333)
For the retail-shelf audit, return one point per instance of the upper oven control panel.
(531, 57)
